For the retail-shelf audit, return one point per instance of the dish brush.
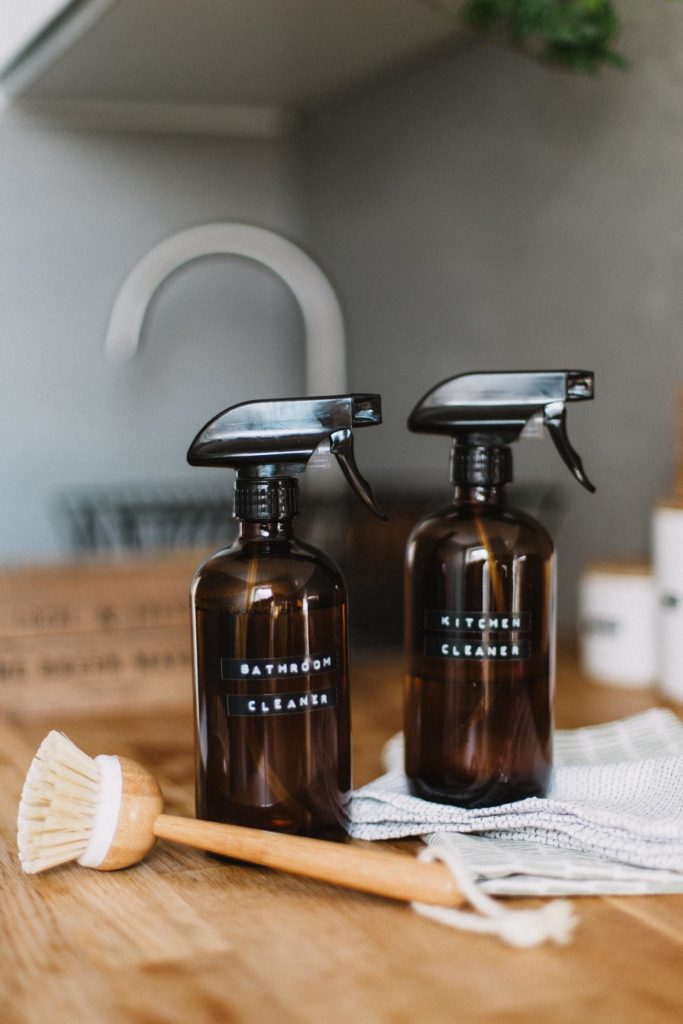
(107, 813)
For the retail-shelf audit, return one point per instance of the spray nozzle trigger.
(276, 438)
(555, 419)
(491, 410)
(341, 445)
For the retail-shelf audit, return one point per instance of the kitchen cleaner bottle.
(480, 598)
(273, 743)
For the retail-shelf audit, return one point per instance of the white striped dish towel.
(612, 821)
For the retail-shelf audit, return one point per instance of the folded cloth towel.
(612, 821)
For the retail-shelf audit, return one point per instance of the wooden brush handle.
(395, 875)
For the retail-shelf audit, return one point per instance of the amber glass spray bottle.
(273, 741)
(480, 598)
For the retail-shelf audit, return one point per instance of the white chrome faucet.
(323, 321)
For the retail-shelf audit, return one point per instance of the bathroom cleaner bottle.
(273, 744)
(480, 598)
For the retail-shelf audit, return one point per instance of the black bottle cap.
(490, 410)
(273, 439)
(266, 500)
(480, 466)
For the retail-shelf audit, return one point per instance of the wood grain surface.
(90, 637)
(187, 939)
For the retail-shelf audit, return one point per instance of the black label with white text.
(477, 636)
(476, 650)
(278, 668)
(474, 623)
(253, 705)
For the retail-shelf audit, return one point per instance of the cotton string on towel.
(522, 928)
(612, 822)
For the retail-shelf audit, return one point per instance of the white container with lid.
(617, 623)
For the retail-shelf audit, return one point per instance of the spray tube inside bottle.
(480, 597)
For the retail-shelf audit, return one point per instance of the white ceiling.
(292, 53)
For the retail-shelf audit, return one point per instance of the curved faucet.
(322, 316)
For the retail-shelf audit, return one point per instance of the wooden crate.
(96, 637)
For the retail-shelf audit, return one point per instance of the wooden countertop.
(187, 939)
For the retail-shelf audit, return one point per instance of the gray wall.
(78, 211)
(482, 212)
(487, 213)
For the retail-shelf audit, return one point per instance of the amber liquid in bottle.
(273, 742)
(479, 629)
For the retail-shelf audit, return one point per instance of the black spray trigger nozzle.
(555, 419)
(341, 446)
(491, 410)
(270, 440)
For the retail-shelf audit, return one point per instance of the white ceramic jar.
(617, 623)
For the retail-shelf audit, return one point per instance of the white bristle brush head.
(73, 808)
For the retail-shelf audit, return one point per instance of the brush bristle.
(58, 805)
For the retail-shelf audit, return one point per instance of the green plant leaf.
(574, 34)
